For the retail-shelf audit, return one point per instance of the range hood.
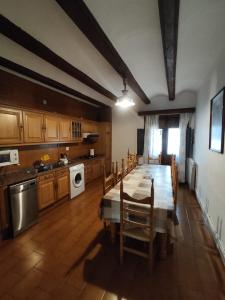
(90, 137)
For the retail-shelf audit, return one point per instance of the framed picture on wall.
(217, 119)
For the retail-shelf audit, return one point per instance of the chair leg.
(151, 258)
(105, 225)
(121, 248)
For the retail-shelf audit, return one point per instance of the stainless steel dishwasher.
(23, 204)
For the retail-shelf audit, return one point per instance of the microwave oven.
(9, 157)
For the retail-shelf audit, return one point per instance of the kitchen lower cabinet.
(62, 184)
(52, 187)
(93, 169)
(4, 214)
(46, 191)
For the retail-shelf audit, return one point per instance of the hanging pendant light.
(125, 100)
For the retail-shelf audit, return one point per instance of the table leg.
(113, 232)
(163, 245)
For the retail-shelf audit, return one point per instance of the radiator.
(191, 173)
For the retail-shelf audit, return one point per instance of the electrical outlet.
(67, 148)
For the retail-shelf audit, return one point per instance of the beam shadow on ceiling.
(24, 39)
(86, 22)
(47, 81)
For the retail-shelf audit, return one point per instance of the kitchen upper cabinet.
(65, 129)
(76, 130)
(46, 191)
(27, 126)
(33, 127)
(62, 184)
(51, 128)
(11, 126)
(90, 126)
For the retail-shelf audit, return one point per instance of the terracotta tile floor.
(68, 256)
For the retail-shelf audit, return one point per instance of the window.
(157, 149)
(173, 144)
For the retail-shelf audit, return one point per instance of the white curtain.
(151, 141)
(184, 120)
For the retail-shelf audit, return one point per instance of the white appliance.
(77, 184)
(9, 157)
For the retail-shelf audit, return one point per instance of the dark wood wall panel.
(18, 91)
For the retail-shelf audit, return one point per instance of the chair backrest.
(125, 168)
(160, 158)
(173, 159)
(155, 161)
(174, 175)
(113, 168)
(132, 160)
(129, 205)
(118, 173)
(108, 181)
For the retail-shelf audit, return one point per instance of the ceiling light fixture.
(125, 100)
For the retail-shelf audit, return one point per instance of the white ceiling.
(134, 29)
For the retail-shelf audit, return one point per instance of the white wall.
(210, 187)
(124, 132)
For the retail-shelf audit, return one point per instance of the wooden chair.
(132, 161)
(155, 161)
(173, 160)
(174, 171)
(108, 181)
(142, 231)
(125, 168)
(118, 173)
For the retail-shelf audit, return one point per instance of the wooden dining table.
(138, 185)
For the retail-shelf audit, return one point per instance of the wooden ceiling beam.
(24, 39)
(169, 16)
(47, 81)
(167, 111)
(86, 22)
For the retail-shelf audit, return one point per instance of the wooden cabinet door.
(51, 128)
(65, 129)
(62, 187)
(96, 169)
(76, 130)
(46, 193)
(11, 126)
(62, 184)
(33, 127)
(90, 126)
(88, 172)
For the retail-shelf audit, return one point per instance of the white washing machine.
(77, 185)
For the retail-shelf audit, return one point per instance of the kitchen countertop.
(23, 175)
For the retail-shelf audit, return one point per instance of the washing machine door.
(77, 180)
